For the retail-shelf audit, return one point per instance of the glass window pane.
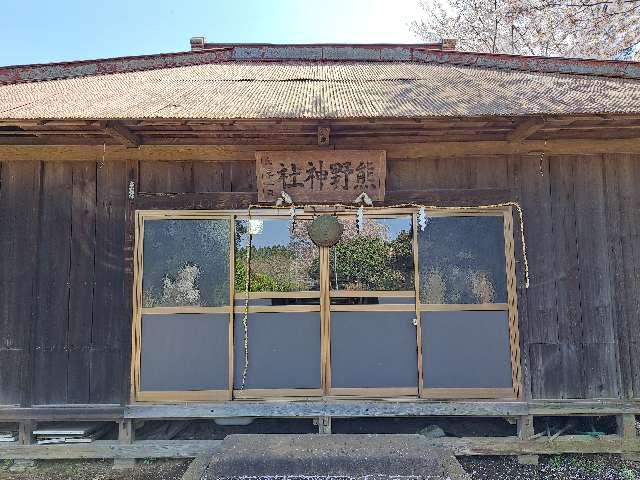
(462, 260)
(379, 258)
(281, 260)
(186, 263)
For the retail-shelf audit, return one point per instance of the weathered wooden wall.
(65, 263)
(580, 318)
(61, 290)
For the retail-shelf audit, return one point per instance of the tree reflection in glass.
(281, 260)
(186, 263)
(378, 258)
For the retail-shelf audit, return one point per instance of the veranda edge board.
(343, 407)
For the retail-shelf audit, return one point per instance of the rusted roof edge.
(572, 66)
(216, 53)
(85, 68)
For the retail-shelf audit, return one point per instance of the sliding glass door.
(244, 305)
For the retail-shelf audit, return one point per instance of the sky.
(42, 31)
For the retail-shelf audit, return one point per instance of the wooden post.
(25, 432)
(525, 432)
(525, 427)
(126, 434)
(628, 433)
(126, 431)
(324, 425)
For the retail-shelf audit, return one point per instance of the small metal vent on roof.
(197, 43)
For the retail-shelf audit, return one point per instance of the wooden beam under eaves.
(247, 152)
(121, 133)
(525, 129)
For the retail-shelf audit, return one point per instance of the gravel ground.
(97, 470)
(557, 467)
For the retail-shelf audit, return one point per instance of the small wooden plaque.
(321, 176)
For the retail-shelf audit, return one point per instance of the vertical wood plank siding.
(66, 250)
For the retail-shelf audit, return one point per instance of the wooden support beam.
(525, 129)
(540, 446)
(384, 408)
(199, 201)
(112, 449)
(583, 407)
(71, 413)
(247, 152)
(629, 435)
(126, 431)
(627, 426)
(610, 444)
(121, 133)
(526, 432)
(25, 432)
(525, 427)
(451, 196)
(336, 409)
(324, 425)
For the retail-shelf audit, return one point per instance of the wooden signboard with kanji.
(321, 176)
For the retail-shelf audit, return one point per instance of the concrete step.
(322, 456)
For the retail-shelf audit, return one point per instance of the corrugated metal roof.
(318, 90)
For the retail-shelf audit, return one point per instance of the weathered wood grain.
(81, 280)
(627, 174)
(50, 343)
(133, 182)
(599, 359)
(343, 409)
(531, 177)
(106, 355)
(212, 176)
(192, 151)
(93, 412)
(565, 259)
(540, 446)
(112, 449)
(579, 320)
(610, 444)
(166, 177)
(451, 197)
(19, 213)
(200, 201)
(536, 203)
(620, 262)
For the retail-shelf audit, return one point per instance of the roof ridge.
(320, 53)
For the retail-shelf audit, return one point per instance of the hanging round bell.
(325, 230)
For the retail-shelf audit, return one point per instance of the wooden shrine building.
(321, 231)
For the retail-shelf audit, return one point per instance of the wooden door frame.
(324, 308)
